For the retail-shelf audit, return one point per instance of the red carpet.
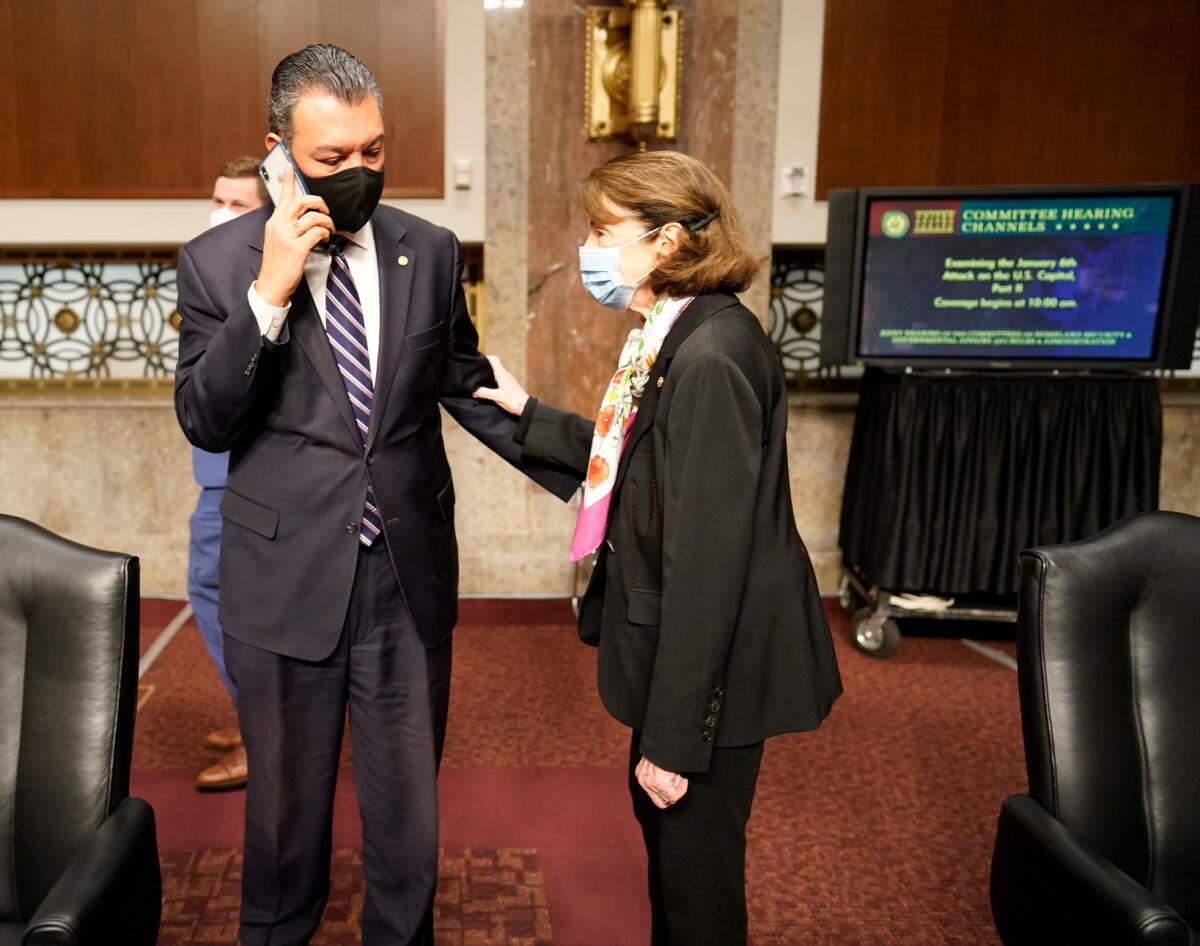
(877, 829)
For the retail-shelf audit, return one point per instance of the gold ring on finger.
(297, 228)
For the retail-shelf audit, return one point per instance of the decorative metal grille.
(88, 319)
(101, 319)
(794, 323)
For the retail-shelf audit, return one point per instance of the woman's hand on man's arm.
(508, 392)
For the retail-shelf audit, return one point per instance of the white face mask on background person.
(220, 215)
(600, 267)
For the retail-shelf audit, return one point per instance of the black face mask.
(352, 196)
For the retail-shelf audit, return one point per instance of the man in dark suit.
(318, 339)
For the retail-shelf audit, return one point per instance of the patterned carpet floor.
(877, 829)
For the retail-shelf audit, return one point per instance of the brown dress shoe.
(227, 774)
(224, 739)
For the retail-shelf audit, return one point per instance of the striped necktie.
(346, 328)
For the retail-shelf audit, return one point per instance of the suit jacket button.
(718, 692)
(706, 736)
(710, 722)
(351, 527)
(371, 459)
(714, 706)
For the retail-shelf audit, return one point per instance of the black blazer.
(703, 602)
(298, 473)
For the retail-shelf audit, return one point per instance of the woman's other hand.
(508, 392)
(664, 788)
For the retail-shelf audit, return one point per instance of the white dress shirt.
(364, 269)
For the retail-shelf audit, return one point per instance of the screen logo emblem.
(894, 224)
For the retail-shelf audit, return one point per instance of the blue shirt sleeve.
(210, 469)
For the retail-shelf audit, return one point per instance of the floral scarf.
(617, 412)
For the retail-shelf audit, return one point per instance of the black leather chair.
(1105, 849)
(78, 857)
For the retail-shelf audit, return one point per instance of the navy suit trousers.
(292, 713)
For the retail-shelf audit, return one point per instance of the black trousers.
(696, 850)
(292, 714)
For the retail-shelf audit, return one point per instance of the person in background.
(237, 190)
(703, 601)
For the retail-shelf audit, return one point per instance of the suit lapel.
(306, 328)
(397, 262)
(701, 309)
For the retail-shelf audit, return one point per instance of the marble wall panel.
(1179, 490)
(819, 432)
(710, 57)
(506, 78)
(756, 97)
(573, 344)
(115, 473)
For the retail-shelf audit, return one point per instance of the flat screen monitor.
(1072, 277)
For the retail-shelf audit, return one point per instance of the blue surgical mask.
(600, 267)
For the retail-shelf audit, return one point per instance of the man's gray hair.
(321, 68)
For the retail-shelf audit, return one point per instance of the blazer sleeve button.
(706, 736)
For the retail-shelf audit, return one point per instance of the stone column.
(506, 248)
(755, 101)
(730, 71)
(539, 318)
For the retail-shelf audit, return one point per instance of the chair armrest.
(111, 891)
(1048, 888)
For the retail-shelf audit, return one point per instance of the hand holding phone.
(271, 169)
(299, 223)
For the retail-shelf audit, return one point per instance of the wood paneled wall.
(964, 92)
(148, 98)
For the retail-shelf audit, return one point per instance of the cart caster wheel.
(848, 599)
(874, 634)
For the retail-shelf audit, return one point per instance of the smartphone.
(270, 169)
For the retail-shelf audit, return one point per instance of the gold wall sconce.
(633, 69)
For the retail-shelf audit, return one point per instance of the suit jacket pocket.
(645, 607)
(249, 514)
(426, 338)
(640, 534)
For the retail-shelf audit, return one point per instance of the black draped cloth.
(951, 476)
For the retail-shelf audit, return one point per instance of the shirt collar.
(364, 238)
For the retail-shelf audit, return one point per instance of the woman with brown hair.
(703, 601)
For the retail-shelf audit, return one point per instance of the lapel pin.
(403, 261)
(660, 381)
